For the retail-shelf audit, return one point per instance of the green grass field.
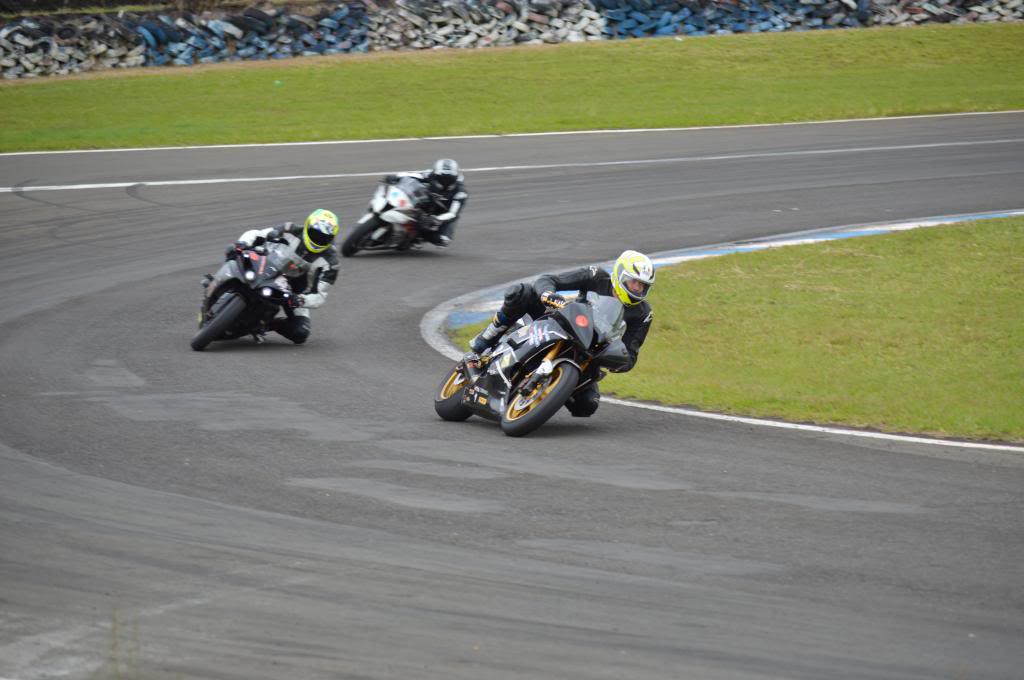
(640, 83)
(921, 331)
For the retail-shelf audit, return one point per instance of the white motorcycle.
(395, 219)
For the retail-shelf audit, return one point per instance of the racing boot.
(486, 339)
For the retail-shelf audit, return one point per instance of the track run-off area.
(278, 511)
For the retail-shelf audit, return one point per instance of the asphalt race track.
(300, 512)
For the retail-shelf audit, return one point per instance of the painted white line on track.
(512, 168)
(435, 320)
(393, 140)
(813, 428)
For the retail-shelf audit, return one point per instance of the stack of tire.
(652, 18)
(34, 46)
(44, 46)
(254, 34)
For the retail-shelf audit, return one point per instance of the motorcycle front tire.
(565, 377)
(216, 327)
(354, 242)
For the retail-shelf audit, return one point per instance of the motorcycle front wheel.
(526, 412)
(354, 242)
(221, 322)
(448, 400)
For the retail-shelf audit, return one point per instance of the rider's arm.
(325, 278)
(395, 176)
(582, 279)
(255, 237)
(455, 207)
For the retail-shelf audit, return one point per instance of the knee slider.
(301, 332)
(584, 404)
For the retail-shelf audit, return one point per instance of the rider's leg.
(518, 301)
(296, 328)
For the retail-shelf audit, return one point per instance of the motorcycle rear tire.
(451, 407)
(568, 376)
(215, 327)
(354, 242)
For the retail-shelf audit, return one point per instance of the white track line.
(393, 140)
(434, 320)
(510, 168)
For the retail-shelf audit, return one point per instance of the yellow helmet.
(319, 231)
(632, 277)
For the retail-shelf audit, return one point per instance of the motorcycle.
(244, 296)
(537, 366)
(395, 219)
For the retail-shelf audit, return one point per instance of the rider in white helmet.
(630, 281)
(447, 190)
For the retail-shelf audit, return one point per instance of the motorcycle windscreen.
(609, 317)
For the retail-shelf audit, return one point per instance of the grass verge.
(638, 83)
(921, 331)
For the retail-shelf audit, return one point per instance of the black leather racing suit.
(525, 298)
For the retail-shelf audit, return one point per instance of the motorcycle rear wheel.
(448, 400)
(524, 415)
(215, 327)
(354, 242)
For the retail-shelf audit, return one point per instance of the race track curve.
(300, 512)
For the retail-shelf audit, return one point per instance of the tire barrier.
(415, 24)
(59, 45)
(37, 46)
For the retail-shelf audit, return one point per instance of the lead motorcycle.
(245, 295)
(537, 366)
(395, 219)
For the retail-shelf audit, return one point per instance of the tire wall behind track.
(61, 44)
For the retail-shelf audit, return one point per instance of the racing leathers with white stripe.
(310, 275)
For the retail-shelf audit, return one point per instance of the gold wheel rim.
(513, 413)
(452, 385)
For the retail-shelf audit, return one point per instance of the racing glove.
(236, 247)
(295, 301)
(553, 300)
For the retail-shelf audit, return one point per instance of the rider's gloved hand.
(295, 301)
(236, 247)
(553, 300)
(390, 179)
(429, 222)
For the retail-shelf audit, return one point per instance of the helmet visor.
(636, 288)
(320, 234)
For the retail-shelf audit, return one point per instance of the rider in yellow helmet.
(312, 267)
(630, 281)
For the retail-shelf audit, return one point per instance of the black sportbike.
(244, 296)
(537, 366)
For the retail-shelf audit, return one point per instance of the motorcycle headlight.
(266, 292)
(249, 276)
